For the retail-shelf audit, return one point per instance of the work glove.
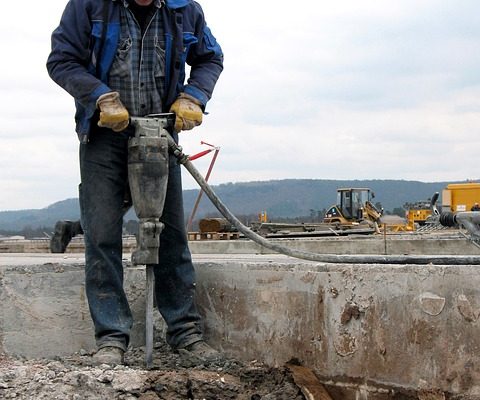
(113, 113)
(188, 112)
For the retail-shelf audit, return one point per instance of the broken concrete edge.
(259, 261)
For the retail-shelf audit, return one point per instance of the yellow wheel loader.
(354, 207)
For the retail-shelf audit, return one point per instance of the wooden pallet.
(192, 236)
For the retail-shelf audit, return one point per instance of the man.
(122, 58)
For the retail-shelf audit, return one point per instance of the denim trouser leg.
(104, 173)
(103, 168)
(175, 275)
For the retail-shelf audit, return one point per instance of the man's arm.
(70, 59)
(206, 60)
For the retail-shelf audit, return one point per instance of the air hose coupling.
(448, 219)
(177, 151)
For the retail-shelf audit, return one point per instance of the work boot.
(64, 232)
(198, 353)
(109, 355)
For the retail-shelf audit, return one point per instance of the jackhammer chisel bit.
(148, 177)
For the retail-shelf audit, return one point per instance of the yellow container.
(460, 196)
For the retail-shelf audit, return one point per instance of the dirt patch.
(75, 378)
(351, 310)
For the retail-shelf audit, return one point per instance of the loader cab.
(352, 201)
(350, 205)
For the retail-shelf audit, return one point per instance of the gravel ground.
(75, 378)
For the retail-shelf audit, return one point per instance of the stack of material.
(215, 225)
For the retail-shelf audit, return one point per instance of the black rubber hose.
(447, 219)
(305, 255)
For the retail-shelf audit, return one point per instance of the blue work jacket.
(76, 45)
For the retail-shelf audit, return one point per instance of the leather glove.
(113, 113)
(188, 112)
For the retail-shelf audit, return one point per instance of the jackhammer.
(148, 173)
(147, 178)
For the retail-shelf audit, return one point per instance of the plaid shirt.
(138, 70)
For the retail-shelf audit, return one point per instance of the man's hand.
(188, 112)
(113, 113)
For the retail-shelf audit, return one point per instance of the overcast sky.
(319, 89)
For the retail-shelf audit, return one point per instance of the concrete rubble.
(74, 378)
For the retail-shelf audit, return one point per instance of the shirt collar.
(158, 3)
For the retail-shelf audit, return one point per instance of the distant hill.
(287, 198)
(296, 197)
(45, 217)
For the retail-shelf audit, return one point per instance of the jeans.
(103, 189)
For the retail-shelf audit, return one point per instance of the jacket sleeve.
(70, 59)
(206, 60)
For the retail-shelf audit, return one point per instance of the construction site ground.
(75, 378)
(365, 332)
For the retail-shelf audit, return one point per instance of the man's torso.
(138, 69)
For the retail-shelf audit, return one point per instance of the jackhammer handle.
(170, 117)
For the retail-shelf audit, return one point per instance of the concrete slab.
(367, 327)
(406, 327)
(44, 311)
(29, 259)
(438, 243)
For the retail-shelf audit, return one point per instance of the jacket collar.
(177, 3)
